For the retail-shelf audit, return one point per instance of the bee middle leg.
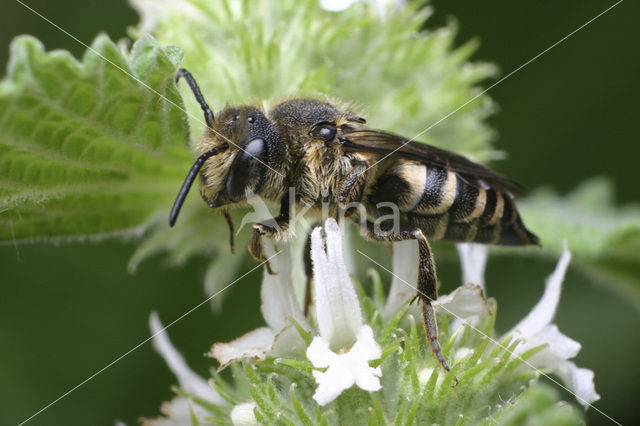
(427, 290)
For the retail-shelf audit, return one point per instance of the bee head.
(255, 149)
(237, 150)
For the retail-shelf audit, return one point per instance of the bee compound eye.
(327, 132)
(245, 170)
(253, 149)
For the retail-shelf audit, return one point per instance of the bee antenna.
(188, 181)
(208, 114)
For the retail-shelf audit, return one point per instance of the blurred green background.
(68, 310)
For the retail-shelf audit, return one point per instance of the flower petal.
(368, 378)
(279, 301)
(338, 313)
(464, 302)
(189, 381)
(542, 314)
(336, 5)
(405, 275)
(561, 345)
(580, 381)
(243, 415)
(254, 344)
(319, 353)
(366, 347)
(287, 342)
(330, 386)
(177, 412)
(345, 369)
(536, 329)
(473, 261)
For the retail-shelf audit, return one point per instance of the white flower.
(405, 277)
(381, 5)
(536, 329)
(243, 415)
(336, 5)
(178, 410)
(279, 306)
(345, 369)
(339, 320)
(337, 306)
(465, 304)
(473, 260)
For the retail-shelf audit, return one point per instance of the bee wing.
(383, 143)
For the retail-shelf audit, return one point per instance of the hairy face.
(239, 172)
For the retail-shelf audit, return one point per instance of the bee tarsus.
(427, 290)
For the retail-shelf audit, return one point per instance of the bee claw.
(269, 270)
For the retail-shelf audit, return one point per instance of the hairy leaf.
(85, 147)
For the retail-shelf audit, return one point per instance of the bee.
(329, 156)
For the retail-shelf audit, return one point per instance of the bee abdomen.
(441, 227)
(445, 206)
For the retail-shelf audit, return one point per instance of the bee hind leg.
(427, 290)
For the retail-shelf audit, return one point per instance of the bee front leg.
(427, 290)
(255, 247)
(274, 229)
(352, 184)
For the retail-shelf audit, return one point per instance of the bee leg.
(255, 248)
(232, 244)
(352, 184)
(274, 229)
(427, 290)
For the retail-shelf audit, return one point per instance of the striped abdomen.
(445, 206)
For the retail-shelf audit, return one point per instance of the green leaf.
(303, 417)
(86, 149)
